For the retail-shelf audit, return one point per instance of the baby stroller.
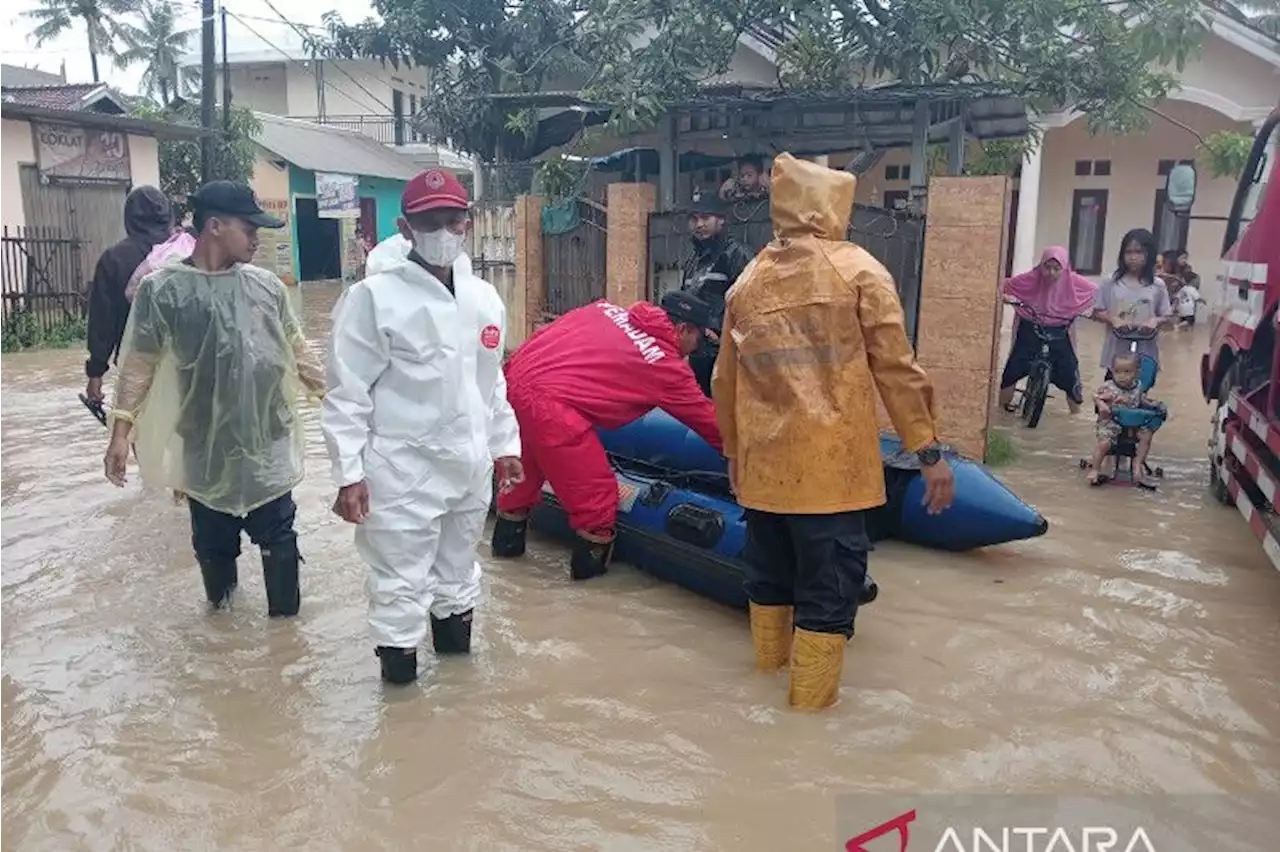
(1132, 420)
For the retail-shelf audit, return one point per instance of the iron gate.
(893, 237)
(575, 262)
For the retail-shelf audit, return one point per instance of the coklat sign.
(1039, 838)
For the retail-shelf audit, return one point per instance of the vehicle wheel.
(1159, 473)
(1218, 439)
(1036, 395)
(1084, 464)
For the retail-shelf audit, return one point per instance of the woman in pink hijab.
(1056, 295)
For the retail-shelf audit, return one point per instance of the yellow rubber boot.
(816, 665)
(771, 635)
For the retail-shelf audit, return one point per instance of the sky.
(18, 49)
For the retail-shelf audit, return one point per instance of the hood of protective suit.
(810, 200)
(652, 320)
(148, 214)
(394, 250)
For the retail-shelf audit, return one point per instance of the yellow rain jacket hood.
(812, 329)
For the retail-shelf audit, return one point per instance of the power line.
(296, 61)
(308, 39)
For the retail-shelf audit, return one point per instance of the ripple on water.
(1174, 565)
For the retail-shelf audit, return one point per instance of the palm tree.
(158, 43)
(100, 17)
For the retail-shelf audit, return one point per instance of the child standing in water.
(1120, 391)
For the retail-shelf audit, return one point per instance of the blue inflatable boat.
(677, 519)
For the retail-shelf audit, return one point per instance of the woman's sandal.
(1100, 479)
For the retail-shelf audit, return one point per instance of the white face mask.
(439, 248)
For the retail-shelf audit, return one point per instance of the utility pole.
(207, 89)
(226, 78)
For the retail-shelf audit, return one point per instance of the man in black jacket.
(148, 221)
(717, 261)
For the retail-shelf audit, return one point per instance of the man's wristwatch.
(929, 455)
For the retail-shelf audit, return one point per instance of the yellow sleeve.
(724, 385)
(904, 387)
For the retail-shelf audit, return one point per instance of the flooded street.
(1133, 648)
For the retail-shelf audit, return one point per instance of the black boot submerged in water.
(452, 635)
(399, 665)
(590, 559)
(280, 575)
(508, 537)
(220, 578)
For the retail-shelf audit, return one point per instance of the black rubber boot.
(589, 559)
(280, 575)
(399, 665)
(870, 591)
(508, 538)
(452, 635)
(220, 577)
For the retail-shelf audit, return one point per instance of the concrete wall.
(144, 160)
(289, 88)
(17, 148)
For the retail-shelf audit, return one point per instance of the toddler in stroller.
(1126, 421)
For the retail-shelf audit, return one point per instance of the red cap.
(432, 190)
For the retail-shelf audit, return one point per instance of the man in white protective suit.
(416, 419)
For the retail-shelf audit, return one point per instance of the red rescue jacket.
(612, 365)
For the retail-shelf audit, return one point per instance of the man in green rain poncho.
(212, 366)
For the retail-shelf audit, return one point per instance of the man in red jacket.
(604, 366)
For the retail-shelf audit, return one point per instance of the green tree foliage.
(233, 151)
(596, 47)
(1107, 58)
(156, 42)
(102, 20)
(1226, 152)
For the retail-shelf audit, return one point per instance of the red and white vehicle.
(1240, 374)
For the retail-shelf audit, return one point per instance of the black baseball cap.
(708, 203)
(232, 199)
(683, 307)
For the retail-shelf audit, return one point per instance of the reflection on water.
(1132, 648)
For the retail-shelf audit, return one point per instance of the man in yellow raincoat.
(812, 329)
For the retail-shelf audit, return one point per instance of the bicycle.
(1035, 392)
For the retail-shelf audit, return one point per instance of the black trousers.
(216, 535)
(816, 563)
(1064, 370)
(703, 361)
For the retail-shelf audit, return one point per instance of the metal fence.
(893, 237)
(575, 263)
(40, 277)
(387, 129)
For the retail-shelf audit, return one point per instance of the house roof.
(100, 121)
(321, 148)
(808, 123)
(16, 75)
(71, 97)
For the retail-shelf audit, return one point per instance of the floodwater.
(1134, 648)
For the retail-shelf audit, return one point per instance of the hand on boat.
(939, 487)
(352, 504)
(510, 473)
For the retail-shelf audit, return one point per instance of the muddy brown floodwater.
(1134, 648)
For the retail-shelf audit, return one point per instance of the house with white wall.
(1075, 189)
(365, 96)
